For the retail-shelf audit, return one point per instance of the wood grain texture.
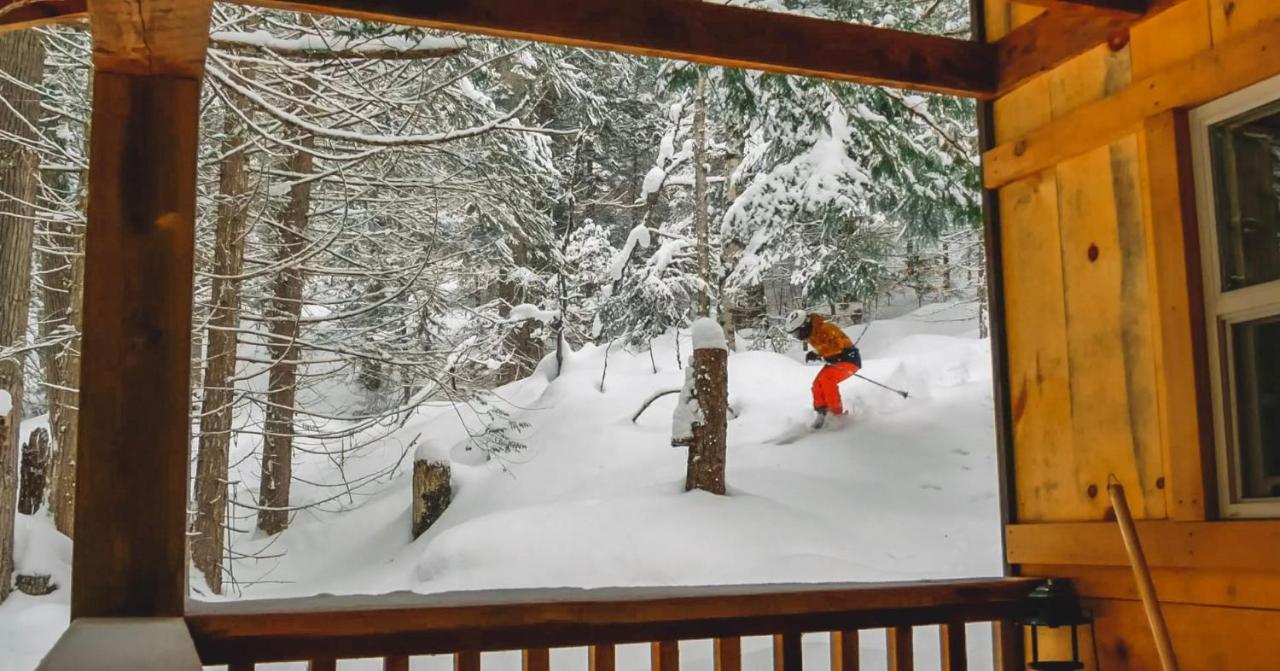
(1204, 637)
(728, 654)
(1238, 546)
(1228, 588)
(123, 644)
(1229, 18)
(536, 659)
(1182, 378)
(159, 37)
(709, 33)
(135, 387)
(466, 661)
(1051, 39)
(412, 624)
(1132, 8)
(1245, 60)
(1170, 37)
(23, 14)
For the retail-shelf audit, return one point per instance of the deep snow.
(899, 490)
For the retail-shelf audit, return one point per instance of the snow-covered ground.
(901, 489)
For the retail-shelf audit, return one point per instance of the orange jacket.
(826, 338)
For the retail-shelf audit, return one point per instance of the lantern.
(1052, 605)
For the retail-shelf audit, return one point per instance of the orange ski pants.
(826, 387)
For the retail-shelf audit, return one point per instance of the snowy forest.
(392, 219)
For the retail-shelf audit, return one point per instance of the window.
(1236, 143)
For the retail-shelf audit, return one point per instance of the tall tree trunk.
(61, 258)
(285, 310)
(700, 224)
(730, 252)
(218, 396)
(22, 57)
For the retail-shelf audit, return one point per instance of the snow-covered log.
(702, 415)
(432, 487)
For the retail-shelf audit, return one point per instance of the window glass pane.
(1256, 346)
(1246, 172)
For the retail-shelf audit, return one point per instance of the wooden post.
(131, 477)
(728, 654)
(536, 659)
(702, 414)
(788, 652)
(664, 656)
(844, 651)
(900, 648)
(955, 654)
(601, 658)
(35, 472)
(432, 492)
(466, 661)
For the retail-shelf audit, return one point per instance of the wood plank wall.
(1106, 366)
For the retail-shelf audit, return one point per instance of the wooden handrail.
(401, 624)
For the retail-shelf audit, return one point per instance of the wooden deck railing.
(322, 630)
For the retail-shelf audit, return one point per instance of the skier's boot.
(819, 419)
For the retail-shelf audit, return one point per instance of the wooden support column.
(131, 478)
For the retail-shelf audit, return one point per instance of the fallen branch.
(650, 400)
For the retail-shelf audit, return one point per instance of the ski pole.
(899, 392)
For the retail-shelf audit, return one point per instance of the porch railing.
(322, 630)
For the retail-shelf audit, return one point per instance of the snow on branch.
(390, 47)
(526, 312)
(363, 138)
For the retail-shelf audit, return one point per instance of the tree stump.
(35, 585)
(35, 472)
(432, 492)
(702, 416)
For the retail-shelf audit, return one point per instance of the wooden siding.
(1106, 361)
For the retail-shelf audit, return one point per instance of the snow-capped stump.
(432, 486)
(701, 417)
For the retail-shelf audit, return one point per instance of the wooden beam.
(414, 624)
(1053, 38)
(704, 32)
(1237, 546)
(1247, 59)
(131, 479)
(20, 14)
(1131, 7)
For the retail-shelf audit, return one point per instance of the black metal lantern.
(1051, 605)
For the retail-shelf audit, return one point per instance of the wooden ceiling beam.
(1051, 39)
(702, 32)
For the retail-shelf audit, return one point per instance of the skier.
(829, 343)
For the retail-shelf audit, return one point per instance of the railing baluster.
(395, 663)
(844, 651)
(537, 659)
(601, 658)
(1008, 644)
(788, 653)
(728, 654)
(955, 654)
(664, 656)
(901, 652)
(466, 661)
(323, 665)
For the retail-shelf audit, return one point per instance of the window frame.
(1223, 310)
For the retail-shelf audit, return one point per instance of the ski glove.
(811, 356)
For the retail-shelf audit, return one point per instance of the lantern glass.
(1053, 605)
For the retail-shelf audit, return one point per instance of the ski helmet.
(795, 320)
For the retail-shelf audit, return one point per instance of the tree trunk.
(218, 396)
(432, 492)
(22, 57)
(285, 310)
(730, 252)
(700, 224)
(61, 260)
(708, 376)
(35, 472)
